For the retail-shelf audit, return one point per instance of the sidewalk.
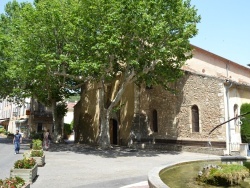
(78, 165)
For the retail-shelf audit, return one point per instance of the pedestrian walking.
(17, 140)
(49, 138)
(46, 140)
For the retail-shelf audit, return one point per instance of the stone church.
(210, 93)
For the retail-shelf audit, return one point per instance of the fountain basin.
(155, 181)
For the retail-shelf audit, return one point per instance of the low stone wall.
(206, 150)
(179, 148)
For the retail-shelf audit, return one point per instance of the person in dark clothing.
(17, 140)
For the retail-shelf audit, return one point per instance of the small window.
(195, 119)
(155, 121)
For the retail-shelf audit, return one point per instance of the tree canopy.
(55, 46)
(245, 127)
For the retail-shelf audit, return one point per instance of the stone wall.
(174, 120)
(174, 109)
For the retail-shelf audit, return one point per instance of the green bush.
(2, 130)
(68, 129)
(37, 144)
(223, 175)
(34, 135)
(245, 127)
(36, 153)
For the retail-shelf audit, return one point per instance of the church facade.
(210, 93)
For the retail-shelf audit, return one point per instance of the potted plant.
(36, 152)
(15, 182)
(25, 168)
(37, 144)
(39, 157)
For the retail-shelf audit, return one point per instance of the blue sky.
(224, 28)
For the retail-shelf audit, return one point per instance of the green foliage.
(119, 36)
(247, 164)
(245, 126)
(224, 175)
(61, 109)
(138, 35)
(12, 182)
(35, 135)
(54, 47)
(72, 125)
(25, 163)
(68, 129)
(36, 153)
(36, 144)
(2, 130)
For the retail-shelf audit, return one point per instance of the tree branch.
(129, 75)
(147, 69)
(74, 87)
(77, 78)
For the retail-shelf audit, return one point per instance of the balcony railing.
(42, 114)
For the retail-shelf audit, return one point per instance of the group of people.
(17, 140)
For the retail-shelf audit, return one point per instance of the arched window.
(155, 121)
(235, 113)
(236, 120)
(195, 119)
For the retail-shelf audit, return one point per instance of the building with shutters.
(13, 116)
(28, 117)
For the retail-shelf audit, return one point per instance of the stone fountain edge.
(154, 180)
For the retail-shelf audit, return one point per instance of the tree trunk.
(104, 137)
(57, 128)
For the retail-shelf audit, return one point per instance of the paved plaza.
(83, 166)
(77, 165)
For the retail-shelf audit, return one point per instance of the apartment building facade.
(28, 117)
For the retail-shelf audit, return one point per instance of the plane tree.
(33, 43)
(9, 22)
(62, 44)
(136, 42)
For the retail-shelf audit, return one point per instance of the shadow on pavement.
(9, 141)
(6, 140)
(116, 151)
